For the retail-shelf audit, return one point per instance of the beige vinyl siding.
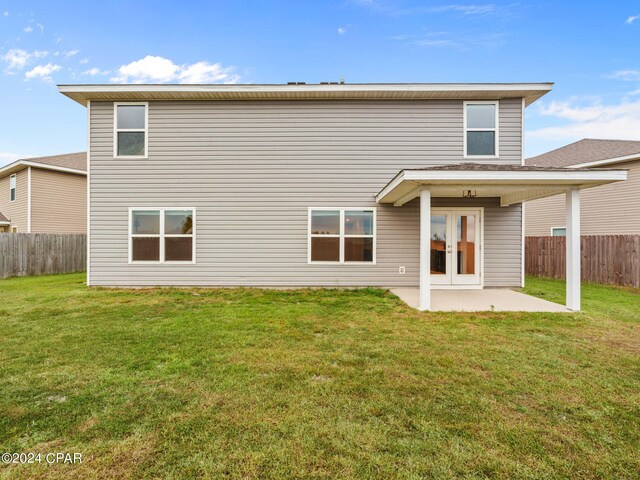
(58, 202)
(15, 211)
(252, 170)
(607, 210)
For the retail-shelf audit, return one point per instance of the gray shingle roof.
(586, 150)
(77, 161)
(492, 167)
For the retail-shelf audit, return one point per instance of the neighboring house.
(612, 209)
(315, 185)
(44, 195)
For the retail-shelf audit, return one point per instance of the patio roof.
(512, 183)
(4, 220)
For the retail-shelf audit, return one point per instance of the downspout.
(28, 199)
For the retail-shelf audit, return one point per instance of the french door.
(456, 234)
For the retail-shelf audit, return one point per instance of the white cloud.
(465, 9)
(154, 69)
(628, 75)
(95, 71)
(41, 27)
(42, 71)
(5, 13)
(342, 30)
(17, 59)
(71, 53)
(632, 19)
(28, 29)
(457, 40)
(593, 120)
(84, 61)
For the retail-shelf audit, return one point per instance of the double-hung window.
(130, 130)
(12, 187)
(342, 235)
(481, 129)
(162, 235)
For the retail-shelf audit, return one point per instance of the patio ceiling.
(512, 183)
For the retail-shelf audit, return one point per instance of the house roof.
(589, 152)
(68, 162)
(511, 183)
(300, 91)
(4, 220)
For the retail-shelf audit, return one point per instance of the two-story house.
(44, 194)
(316, 185)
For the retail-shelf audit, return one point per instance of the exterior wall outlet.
(401, 270)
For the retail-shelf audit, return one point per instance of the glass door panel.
(466, 253)
(466, 249)
(440, 248)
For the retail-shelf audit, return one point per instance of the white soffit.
(363, 91)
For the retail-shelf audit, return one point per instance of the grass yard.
(315, 384)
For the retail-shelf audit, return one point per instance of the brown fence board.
(42, 253)
(608, 259)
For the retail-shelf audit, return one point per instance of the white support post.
(573, 249)
(425, 249)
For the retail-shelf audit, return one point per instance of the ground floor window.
(162, 235)
(342, 235)
(558, 231)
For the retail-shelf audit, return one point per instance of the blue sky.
(590, 49)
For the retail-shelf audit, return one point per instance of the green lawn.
(315, 384)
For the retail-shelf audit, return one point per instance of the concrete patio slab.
(495, 299)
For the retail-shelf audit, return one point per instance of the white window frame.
(341, 235)
(496, 129)
(116, 129)
(555, 228)
(13, 188)
(162, 237)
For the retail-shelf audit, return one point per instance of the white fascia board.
(27, 163)
(607, 161)
(502, 176)
(351, 87)
(539, 179)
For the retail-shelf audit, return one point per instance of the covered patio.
(512, 184)
(488, 299)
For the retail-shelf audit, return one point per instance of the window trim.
(496, 129)
(342, 235)
(162, 237)
(116, 129)
(555, 228)
(13, 191)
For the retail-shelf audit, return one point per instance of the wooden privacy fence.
(609, 259)
(41, 253)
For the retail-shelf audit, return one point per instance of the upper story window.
(481, 129)
(12, 187)
(342, 235)
(130, 130)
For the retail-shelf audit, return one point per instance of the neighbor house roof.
(589, 152)
(301, 91)
(68, 162)
(4, 220)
